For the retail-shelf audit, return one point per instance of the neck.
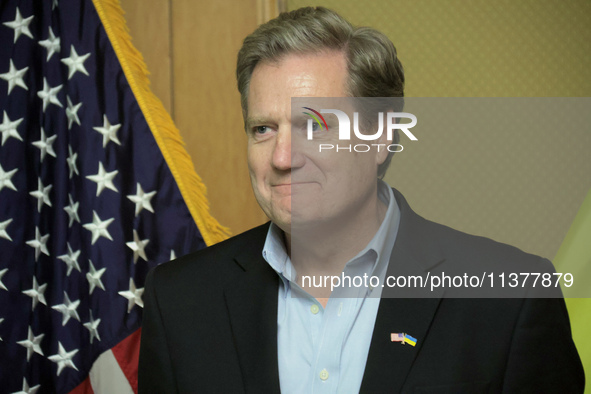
(325, 248)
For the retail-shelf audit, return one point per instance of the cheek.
(359, 170)
(253, 160)
(251, 166)
(256, 178)
(257, 167)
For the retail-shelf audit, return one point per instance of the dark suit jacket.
(210, 323)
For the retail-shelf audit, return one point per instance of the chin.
(306, 220)
(281, 218)
(283, 224)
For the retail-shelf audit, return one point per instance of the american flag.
(88, 201)
(397, 337)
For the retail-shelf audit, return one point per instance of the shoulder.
(215, 262)
(432, 240)
(464, 246)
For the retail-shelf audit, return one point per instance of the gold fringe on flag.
(165, 132)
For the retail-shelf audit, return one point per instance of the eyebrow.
(256, 120)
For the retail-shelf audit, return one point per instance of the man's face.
(290, 178)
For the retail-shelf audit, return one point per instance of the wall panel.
(149, 25)
(206, 37)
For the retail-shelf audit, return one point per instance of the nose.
(285, 155)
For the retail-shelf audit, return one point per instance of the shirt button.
(314, 309)
(324, 374)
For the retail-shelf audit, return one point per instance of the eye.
(312, 125)
(261, 130)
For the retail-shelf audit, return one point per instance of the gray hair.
(372, 62)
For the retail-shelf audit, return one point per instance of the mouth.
(294, 188)
(290, 184)
(282, 189)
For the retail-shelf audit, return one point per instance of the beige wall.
(452, 48)
(520, 185)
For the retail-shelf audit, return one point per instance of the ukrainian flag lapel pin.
(410, 340)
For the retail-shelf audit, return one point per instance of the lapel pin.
(410, 340)
(397, 337)
(403, 338)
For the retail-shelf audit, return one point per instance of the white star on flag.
(39, 243)
(67, 309)
(14, 77)
(75, 62)
(63, 358)
(103, 179)
(20, 25)
(133, 295)
(92, 326)
(98, 228)
(72, 211)
(37, 293)
(3, 232)
(32, 344)
(8, 128)
(2, 273)
(72, 113)
(94, 277)
(49, 94)
(71, 160)
(41, 194)
(5, 178)
(138, 247)
(142, 200)
(28, 390)
(71, 259)
(45, 144)
(52, 44)
(108, 131)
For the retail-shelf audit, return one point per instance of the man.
(238, 316)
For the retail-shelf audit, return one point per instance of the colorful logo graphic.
(387, 122)
(315, 117)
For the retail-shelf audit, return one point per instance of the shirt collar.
(275, 253)
(380, 247)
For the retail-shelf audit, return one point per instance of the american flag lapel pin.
(397, 337)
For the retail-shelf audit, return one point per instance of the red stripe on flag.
(127, 354)
(83, 388)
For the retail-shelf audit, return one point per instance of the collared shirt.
(324, 350)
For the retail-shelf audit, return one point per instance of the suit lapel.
(252, 306)
(389, 363)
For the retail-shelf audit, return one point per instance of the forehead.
(296, 75)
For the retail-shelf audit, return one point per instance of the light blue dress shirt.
(324, 350)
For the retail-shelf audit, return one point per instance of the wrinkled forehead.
(273, 84)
